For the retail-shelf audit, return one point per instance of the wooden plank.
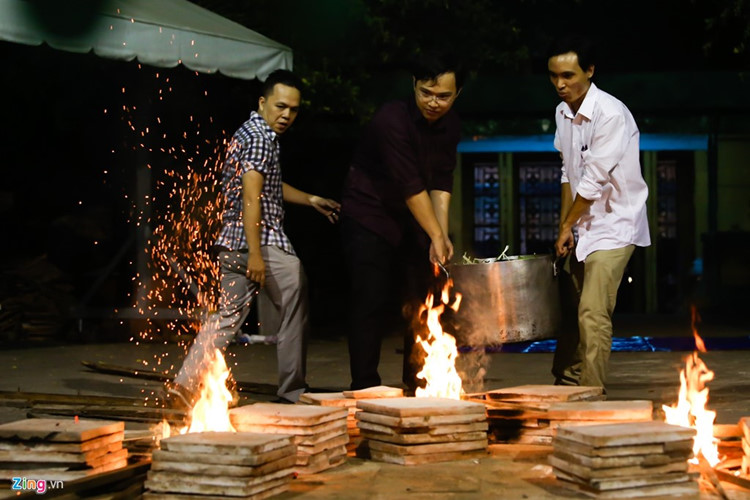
(422, 449)
(321, 461)
(379, 391)
(324, 456)
(23, 399)
(744, 424)
(58, 430)
(315, 439)
(327, 399)
(635, 470)
(600, 485)
(423, 438)
(683, 491)
(426, 458)
(623, 461)
(211, 469)
(281, 414)
(142, 373)
(515, 413)
(623, 434)
(270, 492)
(637, 410)
(58, 456)
(618, 451)
(94, 412)
(419, 407)
(296, 430)
(419, 422)
(174, 482)
(541, 431)
(253, 460)
(431, 431)
(65, 474)
(523, 439)
(311, 449)
(743, 482)
(238, 443)
(81, 447)
(530, 406)
(545, 393)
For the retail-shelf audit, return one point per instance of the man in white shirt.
(603, 209)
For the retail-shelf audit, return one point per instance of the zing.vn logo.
(38, 485)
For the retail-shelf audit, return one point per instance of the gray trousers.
(582, 355)
(286, 289)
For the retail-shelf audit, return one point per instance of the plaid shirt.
(255, 146)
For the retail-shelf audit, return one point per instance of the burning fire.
(439, 369)
(210, 413)
(690, 410)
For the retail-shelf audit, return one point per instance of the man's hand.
(327, 207)
(256, 269)
(441, 250)
(565, 242)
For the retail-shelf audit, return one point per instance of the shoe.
(177, 397)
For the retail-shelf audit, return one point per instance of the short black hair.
(584, 48)
(428, 65)
(282, 76)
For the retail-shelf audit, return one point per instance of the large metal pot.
(507, 301)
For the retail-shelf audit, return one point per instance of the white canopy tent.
(162, 33)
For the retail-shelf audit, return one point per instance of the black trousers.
(378, 273)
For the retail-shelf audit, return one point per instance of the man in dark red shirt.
(395, 209)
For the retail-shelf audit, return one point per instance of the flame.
(690, 410)
(210, 413)
(439, 369)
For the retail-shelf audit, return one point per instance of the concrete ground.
(508, 472)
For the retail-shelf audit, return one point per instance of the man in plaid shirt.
(253, 250)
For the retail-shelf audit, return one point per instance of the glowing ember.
(439, 369)
(690, 410)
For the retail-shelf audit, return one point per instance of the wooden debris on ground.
(319, 432)
(211, 465)
(411, 431)
(61, 449)
(348, 400)
(531, 414)
(625, 460)
(744, 425)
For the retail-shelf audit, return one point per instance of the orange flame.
(690, 410)
(210, 413)
(439, 369)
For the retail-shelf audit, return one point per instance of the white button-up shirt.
(600, 151)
